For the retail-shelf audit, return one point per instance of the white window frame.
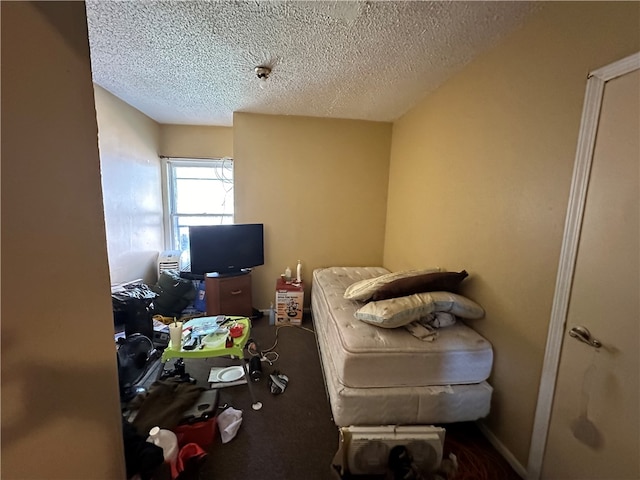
(168, 187)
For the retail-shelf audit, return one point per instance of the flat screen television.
(226, 249)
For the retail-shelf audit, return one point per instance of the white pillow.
(363, 290)
(396, 312)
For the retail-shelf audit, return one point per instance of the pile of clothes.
(180, 407)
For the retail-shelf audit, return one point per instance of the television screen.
(226, 248)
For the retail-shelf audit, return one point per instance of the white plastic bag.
(229, 422)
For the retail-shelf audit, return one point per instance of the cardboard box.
(289, 302)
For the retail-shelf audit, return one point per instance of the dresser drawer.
(229, 295)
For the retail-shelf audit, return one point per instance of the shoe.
(278, 382)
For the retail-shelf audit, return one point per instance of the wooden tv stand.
(228, 294)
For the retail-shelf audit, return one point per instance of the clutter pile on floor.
(168, 428)
(170, 424)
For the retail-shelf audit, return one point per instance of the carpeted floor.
(293, 436)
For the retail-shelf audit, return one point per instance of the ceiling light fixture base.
(263, 72)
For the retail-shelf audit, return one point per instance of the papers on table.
(202, 326)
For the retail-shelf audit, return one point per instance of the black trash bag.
(131, 307)
(174, 294)
(123, 296)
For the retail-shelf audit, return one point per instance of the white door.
(594, 430)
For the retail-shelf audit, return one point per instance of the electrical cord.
(254, 351)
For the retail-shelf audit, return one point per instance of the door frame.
(596, 81)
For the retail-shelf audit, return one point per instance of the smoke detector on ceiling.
(263, 75)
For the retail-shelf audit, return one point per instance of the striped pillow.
(400, 311)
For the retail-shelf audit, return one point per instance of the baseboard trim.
(502, 450)
(305, 311)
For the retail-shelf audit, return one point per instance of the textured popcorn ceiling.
(192, 62)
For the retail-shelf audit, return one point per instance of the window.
(198, 192)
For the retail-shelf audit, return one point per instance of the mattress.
(380, 376)
(365, 355)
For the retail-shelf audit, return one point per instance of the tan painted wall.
(479, 179)
(131, 182)
(193, 141)
(60, 405)
(320, 188)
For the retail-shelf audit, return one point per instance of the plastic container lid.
(216, 340)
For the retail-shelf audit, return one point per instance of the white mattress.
(376, 376)
(364, 355)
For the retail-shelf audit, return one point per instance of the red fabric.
(201, 433)
(186, 453)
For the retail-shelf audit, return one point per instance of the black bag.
(174, 294)
(131, 307)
